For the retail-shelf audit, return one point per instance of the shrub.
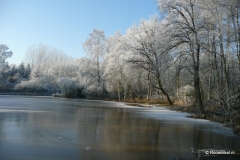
(36, 85)
(70, 88)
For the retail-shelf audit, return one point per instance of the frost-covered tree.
(186, 27)
(42, 57)
(4, 54)
(59, 70)
(114, 64)
(146, 47)
(94, 47)
(45, 66)
(27, 71)
(21, 69)
(4, 68)
(88, 77)
(122, 77)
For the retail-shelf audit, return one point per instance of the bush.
(36, 85)
(186, 95)
(93, 91)
(69, 88)
(80, 93)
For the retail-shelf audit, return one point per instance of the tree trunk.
(210, 78)
(197, 85)
(163, 91)
(216, 64)
(139, 85)
(119, 92)
(178, 78)
(98, 71)
(177, 84)
(149, 86)
(224, 64)
(198, 100)
(125, 92)
(238, 54)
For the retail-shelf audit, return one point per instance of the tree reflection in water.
(51, 128)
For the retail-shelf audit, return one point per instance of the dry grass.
(180, 103)
(146, 101)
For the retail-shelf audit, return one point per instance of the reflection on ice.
(12, 110)
(51, 128)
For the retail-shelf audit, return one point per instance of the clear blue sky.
(65, 24)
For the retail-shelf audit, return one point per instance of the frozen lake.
(58, 129)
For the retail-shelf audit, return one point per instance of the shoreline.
(207, 116)
(192, 111)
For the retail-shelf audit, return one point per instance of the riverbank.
(232, 122)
